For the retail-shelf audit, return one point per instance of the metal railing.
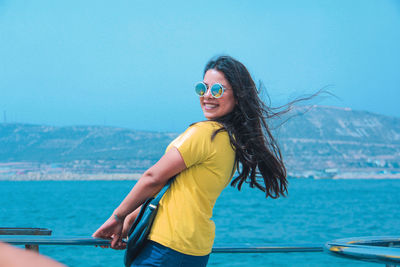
(380, 249)
(90, 241)
(26, 231)
(384, 249)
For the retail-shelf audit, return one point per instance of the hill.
(319, 142)
(331, 141)
(48, 152)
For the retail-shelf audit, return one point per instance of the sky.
(133, 64)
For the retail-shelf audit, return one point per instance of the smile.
(210, 106)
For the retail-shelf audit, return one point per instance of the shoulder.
(205, 130)
(205, 126)
(199, 132)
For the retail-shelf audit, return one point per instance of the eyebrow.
(215, 83)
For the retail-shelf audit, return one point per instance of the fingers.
(115, 240)
(120, 246)
(102, 233)
(116, 243)
(99, 233)
(111, 229)
(102, 246)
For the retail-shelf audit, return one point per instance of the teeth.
(210, 105)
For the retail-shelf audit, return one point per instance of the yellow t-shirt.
(183, 221)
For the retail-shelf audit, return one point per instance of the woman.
(205, 157)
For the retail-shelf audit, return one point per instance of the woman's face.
(217, 107)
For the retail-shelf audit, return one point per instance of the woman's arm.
(148, 185)
(151, 182)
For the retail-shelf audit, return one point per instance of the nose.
(207, 93)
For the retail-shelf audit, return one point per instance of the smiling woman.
(243, 116)
(204, 159)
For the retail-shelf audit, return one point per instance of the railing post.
(32, 248)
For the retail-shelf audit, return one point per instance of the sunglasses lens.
(217, 90)
(200, 89)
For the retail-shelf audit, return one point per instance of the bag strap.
(162, 192)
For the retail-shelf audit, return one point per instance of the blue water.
(314, 212)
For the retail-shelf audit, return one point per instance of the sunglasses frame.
(208, 88)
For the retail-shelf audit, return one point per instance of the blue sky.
(134, 63)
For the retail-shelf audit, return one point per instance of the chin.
(209, 116)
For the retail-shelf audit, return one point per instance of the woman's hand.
(111, 229)
(101, 232)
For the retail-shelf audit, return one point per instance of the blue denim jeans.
(154, 254)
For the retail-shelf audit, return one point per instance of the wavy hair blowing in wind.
(258, 157)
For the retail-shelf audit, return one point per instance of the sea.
(315, 211)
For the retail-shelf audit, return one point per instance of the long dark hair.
(258, 156)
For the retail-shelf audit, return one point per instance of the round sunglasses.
(216, 90)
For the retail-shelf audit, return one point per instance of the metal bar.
(90, 241)
(367, 249)
(269, 248)
(24, 231)
(51, 240)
